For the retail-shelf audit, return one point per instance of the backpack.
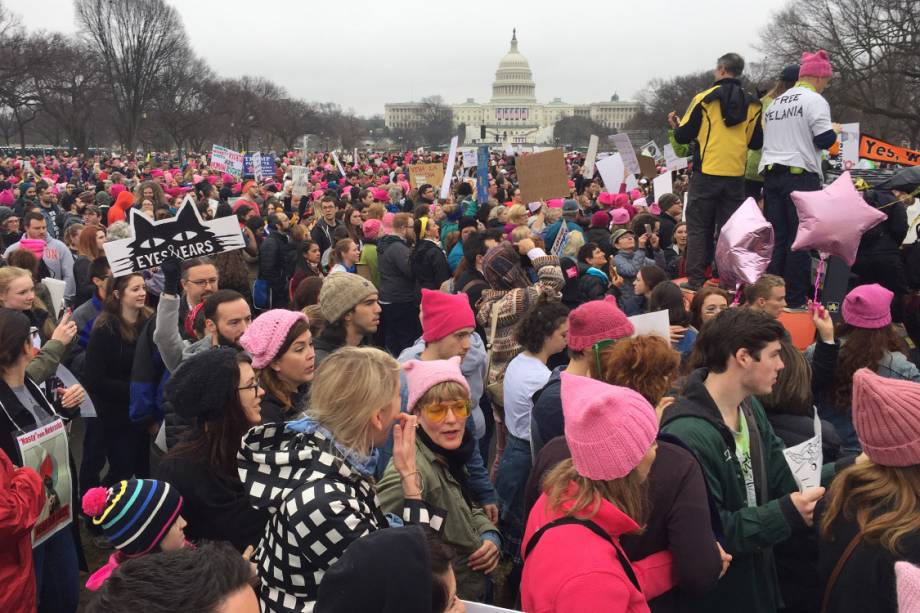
(570, 294)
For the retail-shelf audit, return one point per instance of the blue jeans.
(513, 470)
(57, 574)
(793, 266)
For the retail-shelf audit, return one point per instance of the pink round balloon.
(834, 219)
(745, 246)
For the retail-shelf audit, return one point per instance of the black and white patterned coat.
(319, 504)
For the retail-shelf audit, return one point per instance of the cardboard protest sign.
(849, 145)
(647, 167)
(267, 165)
(184, 236)
(469, 158)
(671, 160)
(256, 166)
(542, 176)
(451, 161)
(626, 151)
(590, 157)
(420, 174)
(227, 160)
(875, 149)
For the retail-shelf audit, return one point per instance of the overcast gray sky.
(364, 53)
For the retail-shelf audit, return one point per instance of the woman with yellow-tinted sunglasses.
(440, 396)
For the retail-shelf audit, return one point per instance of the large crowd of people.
(389, 401)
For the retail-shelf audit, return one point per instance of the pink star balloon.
(833, 220)
(745, 246)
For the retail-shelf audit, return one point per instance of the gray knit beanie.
(342, 291)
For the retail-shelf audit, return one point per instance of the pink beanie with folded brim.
(609, 429)
(371, 229)
(815, 65)
(886, 416)
(422, 375)
(868, 306)
(265, 336)
(908, 583)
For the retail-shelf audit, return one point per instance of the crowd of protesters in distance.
(388, 400)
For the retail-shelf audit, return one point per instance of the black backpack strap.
(593, 527)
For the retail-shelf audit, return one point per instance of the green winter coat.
(464, 527)
(751, 584)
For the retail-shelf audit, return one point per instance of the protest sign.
(590, 157)
(451, 162)
(267, 165)
(875, 149)
(662, 185)
(300, 183)
(671, 160)
(611, 170)
(647, 167)
(626, 151)
(56, 291)
(805, 459)
(469, 158)
(849, 145)
(542, 176)
(45, 450)
(338, 164)
(651, 149)
(183, 236)
(658, 323)
(256, 166)
(482, 174)
(420, 174)
(227, 160)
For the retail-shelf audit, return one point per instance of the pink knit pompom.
(94, 501)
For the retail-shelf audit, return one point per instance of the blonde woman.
(872, 518)
(315, 474)
(17, 292)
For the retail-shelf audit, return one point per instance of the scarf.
(455, 459)
(364, 464)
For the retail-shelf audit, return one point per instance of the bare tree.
(137, 41)
(182, 102)
(436, 125)
(874, 46)
(288, 119)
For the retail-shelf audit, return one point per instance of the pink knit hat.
(868, 306)
(35, 245)
(265, 336)
(371, 229)
(815, 65)
(555, 203)
(608, 428)
(600, 219)
(886, 415)
(605, 199)
(422, 375)
(381, 195)
(444, 314)
(619, 216)
(908, 582)
(595, 321)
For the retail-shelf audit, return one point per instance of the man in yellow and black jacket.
(723, 122)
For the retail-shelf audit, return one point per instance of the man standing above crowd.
(724, 120)
(797, 127)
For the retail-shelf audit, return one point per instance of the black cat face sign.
(185, 236)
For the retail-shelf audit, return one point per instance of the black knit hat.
(205, 384)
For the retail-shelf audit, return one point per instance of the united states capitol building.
(513, 115)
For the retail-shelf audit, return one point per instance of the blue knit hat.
(135, 515)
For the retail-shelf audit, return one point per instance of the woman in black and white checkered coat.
(315, 475)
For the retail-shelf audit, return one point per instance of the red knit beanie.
(595, 321)
(444, 314)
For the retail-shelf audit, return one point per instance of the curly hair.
(864, 348)
(647, 364)
(539, 323)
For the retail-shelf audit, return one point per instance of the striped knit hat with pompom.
(135, 515)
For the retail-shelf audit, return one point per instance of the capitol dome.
(513, 79)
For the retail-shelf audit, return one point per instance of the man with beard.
(199, 280)
(349, 304)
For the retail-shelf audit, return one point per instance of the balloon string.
(819, 274)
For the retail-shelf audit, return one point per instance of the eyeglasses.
(204, 282)
(437, 411)
(597, 348)
(254, 386)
